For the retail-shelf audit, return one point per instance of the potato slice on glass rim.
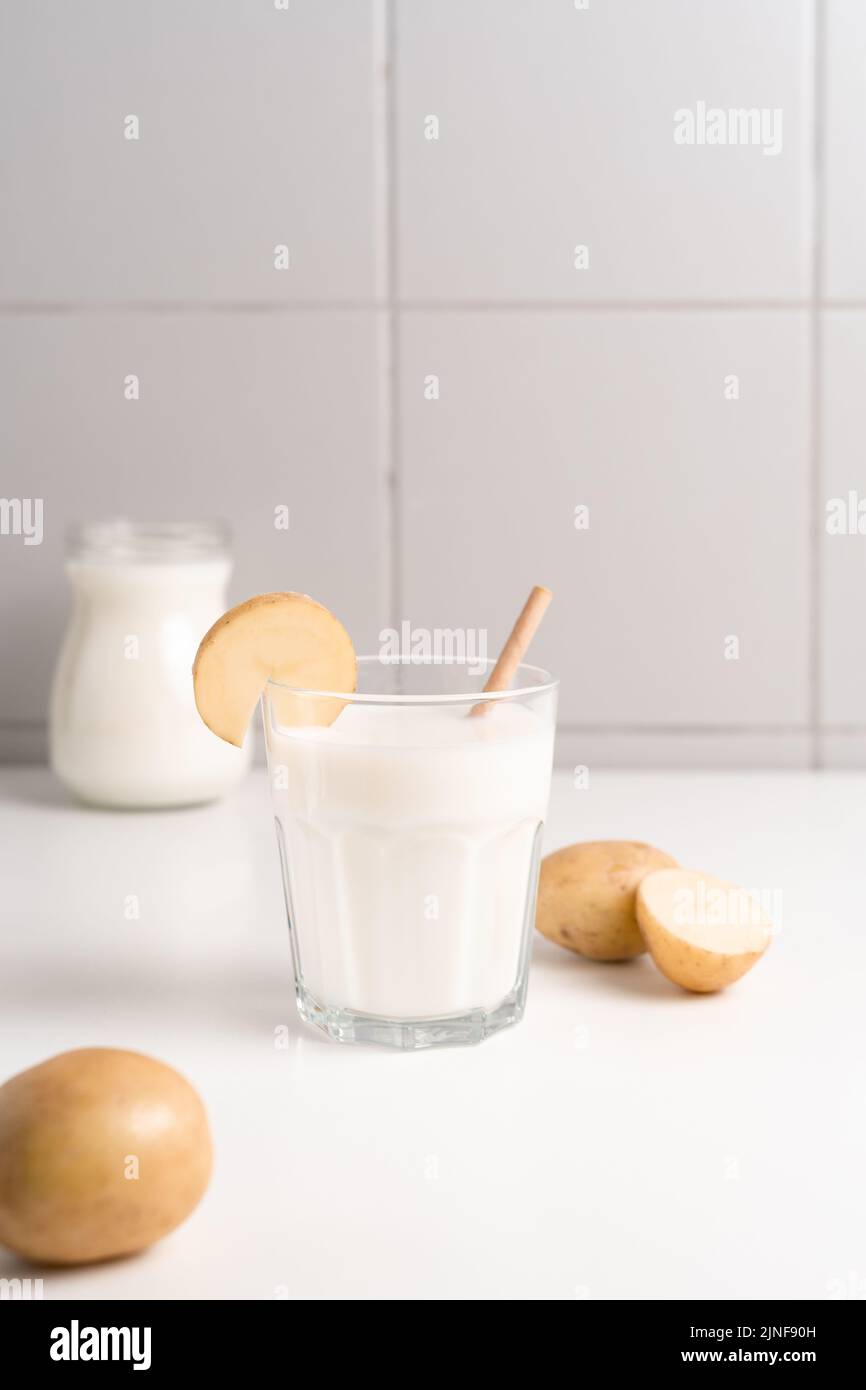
(284, 637)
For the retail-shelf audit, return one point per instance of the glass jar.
(124, 728)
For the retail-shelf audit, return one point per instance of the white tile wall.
(697, 504)
(843, 556)
(844, 264)
(845, 750)
(411, 257)
(257, 129)
(556, 129)
(238, 414)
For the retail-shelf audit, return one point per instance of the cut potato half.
(701, 932)
(281, 637)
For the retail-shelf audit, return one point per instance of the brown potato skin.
(67, 1129)
(695, 968)
(586, 896)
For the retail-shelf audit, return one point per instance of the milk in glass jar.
(124, 727)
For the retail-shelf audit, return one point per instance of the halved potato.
(586, 896)
(282, 637)
(702, 933)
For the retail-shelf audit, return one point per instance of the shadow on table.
(223, 998)
(636, 977)
(41, 788)
(33, 1276)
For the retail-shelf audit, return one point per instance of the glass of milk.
(409, 831)
(124, 728)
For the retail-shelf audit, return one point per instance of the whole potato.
(101, 1153)
(586, 896)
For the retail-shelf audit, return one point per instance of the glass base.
(411, 1034)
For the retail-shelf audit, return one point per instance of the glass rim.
(542, 682)
(122, 539)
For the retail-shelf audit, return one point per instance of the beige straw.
(515, 648)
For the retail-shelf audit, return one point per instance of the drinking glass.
(409, 816)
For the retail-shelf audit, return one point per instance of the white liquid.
(409, 835)
(124, 727)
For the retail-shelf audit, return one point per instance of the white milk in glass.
(410, 838)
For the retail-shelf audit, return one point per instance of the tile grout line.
(638, 730)
(12, 725)
(392, 365)
(382, 333)
(816, 386)
(391, 302)
(689, 730)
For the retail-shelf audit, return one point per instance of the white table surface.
(627, 1140)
